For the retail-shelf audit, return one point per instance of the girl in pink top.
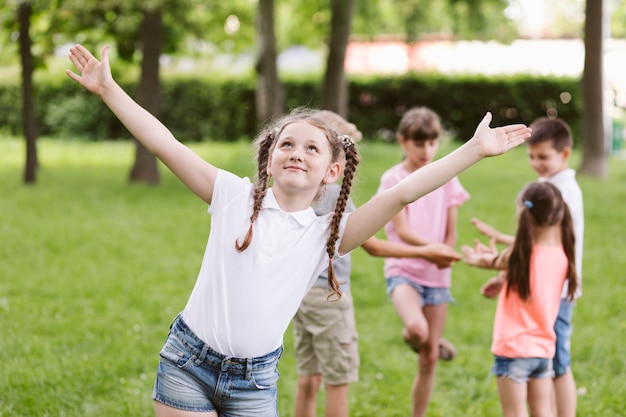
(419, 289)
(540, 261)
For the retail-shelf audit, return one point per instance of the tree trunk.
(335, 89)
(269, 92)
(145, 168)
(28, 102)
(593, 141)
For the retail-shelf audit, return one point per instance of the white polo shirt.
(566, 182)
(242, 302)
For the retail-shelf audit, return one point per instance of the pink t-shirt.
(428, 216)
(525, 329)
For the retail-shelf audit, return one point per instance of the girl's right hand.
(94, 75)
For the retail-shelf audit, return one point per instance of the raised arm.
(197, 174)
(372, 216)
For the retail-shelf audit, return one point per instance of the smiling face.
(546, 160)
(301, 161)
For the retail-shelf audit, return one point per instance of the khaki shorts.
(326, 339)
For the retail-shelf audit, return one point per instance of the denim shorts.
(563, 328)
(521, 369)
(428, 295)
(193, 377)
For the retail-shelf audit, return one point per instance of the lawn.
(93, 269)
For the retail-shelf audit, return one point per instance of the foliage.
(94, 269)
(201, 108)
(618, 18)
(378, 103)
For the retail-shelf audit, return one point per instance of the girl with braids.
(266, 246)
(540, 262)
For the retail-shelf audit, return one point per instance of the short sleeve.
(457, 194)
(227, 187)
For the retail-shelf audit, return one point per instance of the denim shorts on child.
(562, 361)
(428, 295)
(521, 369)
(193, 377)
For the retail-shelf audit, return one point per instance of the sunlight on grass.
(94, 269)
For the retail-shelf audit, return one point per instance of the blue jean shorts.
(428, 295)
(193, 377)
(562, 361)
(521, 369)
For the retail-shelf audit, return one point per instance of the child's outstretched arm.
(486, 257)
(370, 217)
(492, 232)
(197, 174)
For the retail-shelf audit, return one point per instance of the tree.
(24, 12)
(335, 88)
(138, 27)
(269, 93)
(145, 168)
(594, 147)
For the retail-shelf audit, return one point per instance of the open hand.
(480, 255)
(498, 140)
(93, 74)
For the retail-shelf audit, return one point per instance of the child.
(323, 328)
(549, 149)
(538, 264)
(266, 246)
(418, 289)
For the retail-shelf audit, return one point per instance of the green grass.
(93, 269)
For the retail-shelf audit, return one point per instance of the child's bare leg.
(512, 397)
(407, 303)
(429, 356)
(306, 394)
(565, 390)
(337, 400)
(541, 397)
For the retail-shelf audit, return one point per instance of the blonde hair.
(341, 125)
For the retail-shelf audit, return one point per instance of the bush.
(224, 110)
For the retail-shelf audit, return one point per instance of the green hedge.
(197, 110)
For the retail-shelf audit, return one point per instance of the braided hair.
(265, 144)
(352, 161)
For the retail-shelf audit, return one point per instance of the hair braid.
(260, 188)
(352, 161)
